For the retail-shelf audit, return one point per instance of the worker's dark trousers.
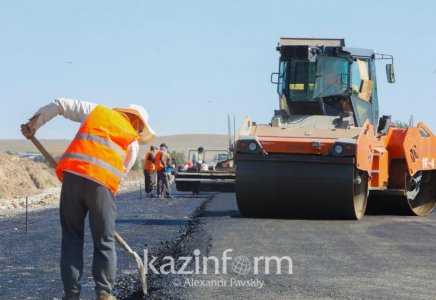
(78, 197)
(162, 183)
(150, 179)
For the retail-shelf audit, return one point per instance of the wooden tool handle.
(41, 148)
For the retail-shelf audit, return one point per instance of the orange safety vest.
(148, 164)
(99, 148)
(158, 161)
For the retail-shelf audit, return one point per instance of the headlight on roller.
(342, 149)
(249, 146)
(339, 149)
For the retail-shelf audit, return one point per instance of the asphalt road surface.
(380, 257)
(29, 263)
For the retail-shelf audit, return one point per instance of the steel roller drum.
(300, 188)
(421, 205)
(425, 200)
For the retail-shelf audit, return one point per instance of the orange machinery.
(326, 150)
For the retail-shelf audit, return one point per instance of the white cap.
(147, 135)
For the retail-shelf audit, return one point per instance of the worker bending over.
(91, 169)
(150, 171)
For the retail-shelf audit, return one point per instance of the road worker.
(150, 171)
(161, 162)
(171, 163)
(197, 158)
(91, 169)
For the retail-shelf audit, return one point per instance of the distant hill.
(180, 143)
(23, 145)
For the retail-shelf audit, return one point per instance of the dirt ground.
(21, 178)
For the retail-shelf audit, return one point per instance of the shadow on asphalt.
(223, 213)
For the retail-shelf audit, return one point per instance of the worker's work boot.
(169, 197)
(106, 297)
(72, 297)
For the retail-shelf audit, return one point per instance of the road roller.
(327, 153)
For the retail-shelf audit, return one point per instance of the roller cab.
(326, 149)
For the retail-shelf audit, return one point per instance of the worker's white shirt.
(79, 111)
(196, 159)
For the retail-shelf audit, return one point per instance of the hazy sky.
(189, 63)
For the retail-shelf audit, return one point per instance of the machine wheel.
(301, 190)
(419, 197)
(360, 195)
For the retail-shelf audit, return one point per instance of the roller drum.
(421, 205)
(268, 188)
(406, 201)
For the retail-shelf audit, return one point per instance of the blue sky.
(189, 63)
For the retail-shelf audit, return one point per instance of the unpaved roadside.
(49, 197)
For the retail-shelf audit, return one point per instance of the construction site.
(321, 187)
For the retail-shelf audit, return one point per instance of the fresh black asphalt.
(380, 257)
(29, 264)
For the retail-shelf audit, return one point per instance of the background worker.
(160, 162)
(169, 170)
(197, 158)
(91, 169)
(150, 171)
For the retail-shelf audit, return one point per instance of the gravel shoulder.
(49, 198)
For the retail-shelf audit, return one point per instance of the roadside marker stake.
(27, 223)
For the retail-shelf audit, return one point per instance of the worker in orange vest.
(160, 163)
(91, 169)
(150, 171)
